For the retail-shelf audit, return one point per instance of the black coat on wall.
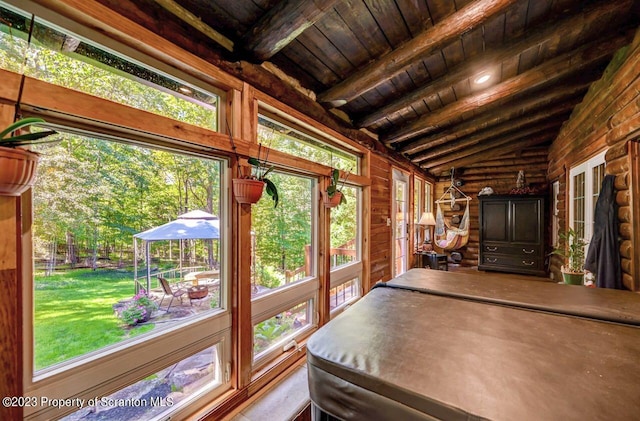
(603, 256)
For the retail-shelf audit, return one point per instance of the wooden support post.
(10, 309)
(242, 314)
(11, 360)
(324, 266)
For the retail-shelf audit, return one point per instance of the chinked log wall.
(500, 174)
(608, 118)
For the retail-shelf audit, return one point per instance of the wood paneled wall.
(380, 235)
(608, 119)
(500, 174)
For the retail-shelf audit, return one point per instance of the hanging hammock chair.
(446, 236)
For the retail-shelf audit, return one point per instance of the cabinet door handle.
(528, 251)
(524, 262)
(491, 260)
(492, 248)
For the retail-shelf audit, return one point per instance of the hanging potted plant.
(573, 251)
(248, 188)
(333, 196)
(17, 165)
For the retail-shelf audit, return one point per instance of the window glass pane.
(400, 226)
(286, 139)
(282, 236)
(279, 329)
(158, 394)
(13, 35)
(417, 211)
(579, 204)
(343, 293)
(344, 229)
(66, 60)
(91, 197)
(428, 199)
(597, 178)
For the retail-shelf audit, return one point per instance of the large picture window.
(282, 235)
(284, 280)
(91, 199)
(296, 142)
(46, 53)
(345, 251)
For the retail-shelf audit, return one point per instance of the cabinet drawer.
(512, 250)
(511, 261)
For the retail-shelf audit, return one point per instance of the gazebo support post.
(147, 248)
(135, 264)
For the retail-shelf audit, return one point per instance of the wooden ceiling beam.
(470, 68)
(490, 143)
(516, 124)
(494, 151)
(423, 45)
(543, 75)
(505, 167)
(282, 24)
(509, 159)
(195, 22)
(495, 117)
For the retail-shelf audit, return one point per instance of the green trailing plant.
(335, 186)
(572, 249)
(10, 140)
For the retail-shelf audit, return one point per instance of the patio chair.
(166, 287)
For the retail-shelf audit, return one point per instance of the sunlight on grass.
(74, 313)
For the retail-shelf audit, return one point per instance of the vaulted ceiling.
(408, 71)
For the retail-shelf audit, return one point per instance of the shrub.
(139, 309)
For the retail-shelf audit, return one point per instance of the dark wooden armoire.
(512, 234)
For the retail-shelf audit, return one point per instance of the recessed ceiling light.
(482, 78)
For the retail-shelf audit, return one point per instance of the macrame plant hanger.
(447, 237)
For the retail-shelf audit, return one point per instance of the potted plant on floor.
(573, 251)
(333, 196)
(17, 165)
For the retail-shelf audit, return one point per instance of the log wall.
(500, 174)
(607, 119)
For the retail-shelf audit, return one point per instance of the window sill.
(283, 400)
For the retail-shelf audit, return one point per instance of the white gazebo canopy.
(192, 225)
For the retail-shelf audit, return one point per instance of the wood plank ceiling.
(407, 70)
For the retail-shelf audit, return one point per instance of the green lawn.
(74, 314)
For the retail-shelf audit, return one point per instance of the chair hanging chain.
(453, 196)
